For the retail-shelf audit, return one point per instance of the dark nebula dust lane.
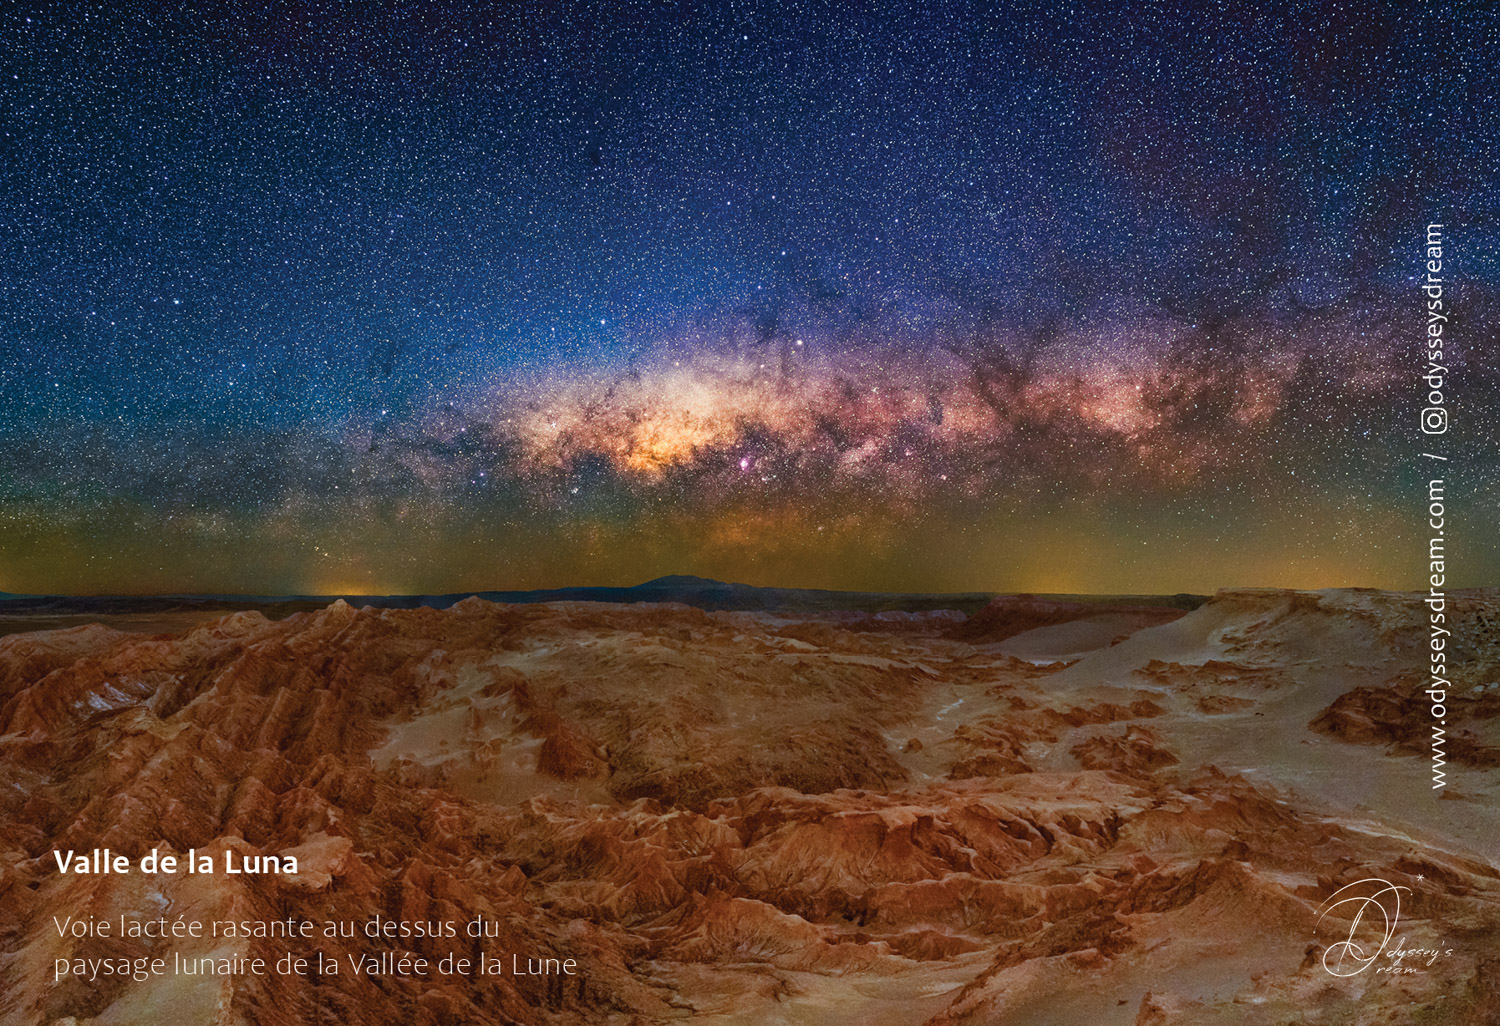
(452, 296)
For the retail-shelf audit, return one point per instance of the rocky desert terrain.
(1044, 813)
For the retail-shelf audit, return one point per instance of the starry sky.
(433, 297)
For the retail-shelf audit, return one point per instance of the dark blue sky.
(321, 280)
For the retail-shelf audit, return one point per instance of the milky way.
(443, 297)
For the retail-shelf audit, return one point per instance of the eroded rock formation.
(739, 817)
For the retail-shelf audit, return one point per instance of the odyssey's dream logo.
(1365, 914)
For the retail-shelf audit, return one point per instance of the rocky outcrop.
(1401, 718)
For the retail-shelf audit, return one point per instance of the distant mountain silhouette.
(686, 589)
(686, 580)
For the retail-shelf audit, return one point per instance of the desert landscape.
(1044, 811)
(1041, 414)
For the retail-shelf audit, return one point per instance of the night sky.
(436, 297)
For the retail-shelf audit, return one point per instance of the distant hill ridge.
(702, 592)
(687, 589)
